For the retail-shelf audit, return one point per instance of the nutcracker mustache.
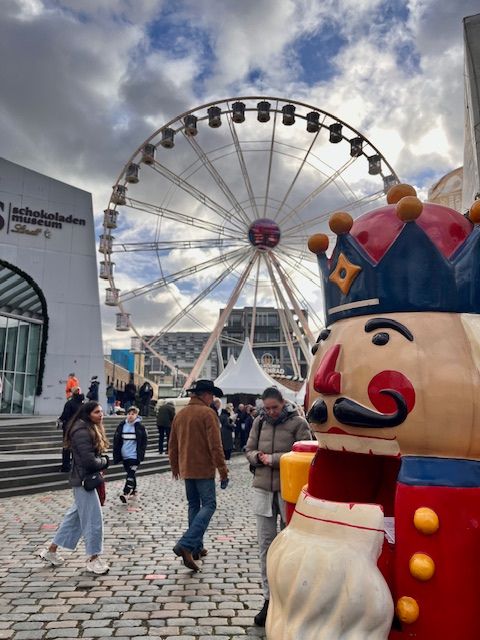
(351, 413)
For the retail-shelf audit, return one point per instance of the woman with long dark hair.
(85, 436)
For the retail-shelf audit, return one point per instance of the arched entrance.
(23, 337)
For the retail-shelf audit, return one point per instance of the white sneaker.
(97, 566)
(52, 557)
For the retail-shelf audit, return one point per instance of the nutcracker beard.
(323, 574)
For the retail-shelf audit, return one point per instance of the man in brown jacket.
(195, 451)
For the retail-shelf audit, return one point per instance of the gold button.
(421, 566)
(407, 609)
(426, 521)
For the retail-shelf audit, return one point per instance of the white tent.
(230, 364)
(247, 376)
(301, 393)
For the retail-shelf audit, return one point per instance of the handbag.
(92, 481)
(253, 467)
(101, 490)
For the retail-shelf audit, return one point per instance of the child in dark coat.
(129, 446)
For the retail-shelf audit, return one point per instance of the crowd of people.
(199, 441)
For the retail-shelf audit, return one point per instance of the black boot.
(261, 616)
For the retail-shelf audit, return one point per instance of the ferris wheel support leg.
(288, 340)
(214, 336)
(294, 301)
(295, 328)
(219, 356)
(254, 310)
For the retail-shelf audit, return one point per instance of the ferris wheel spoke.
(270, 160)
(191, 305)
(177, 216)
(201, 197)
(316, 192)
(301, 251)
(243, 167)
(294, 263)
(179, 275)
(254, 309)
(172, 245)
(348, 206)
(217, 178)
(297, 175)
(315, 280)
(288, 286)
(225, 314)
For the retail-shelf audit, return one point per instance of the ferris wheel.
(215, 208)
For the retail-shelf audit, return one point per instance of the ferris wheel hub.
(264, 234)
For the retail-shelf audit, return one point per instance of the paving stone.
(41, 603)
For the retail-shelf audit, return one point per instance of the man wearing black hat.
(195, 452)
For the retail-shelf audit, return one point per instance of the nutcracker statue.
(384, 540)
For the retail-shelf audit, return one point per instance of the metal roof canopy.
(18, 297)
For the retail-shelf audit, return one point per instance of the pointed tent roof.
(230, 364)
(247, 376)
(301, 393)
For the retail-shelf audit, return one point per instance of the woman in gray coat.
(85, 436)
(273, 433)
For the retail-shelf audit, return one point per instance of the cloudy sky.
(85, 82)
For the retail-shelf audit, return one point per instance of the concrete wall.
(63, 263)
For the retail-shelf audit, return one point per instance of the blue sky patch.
(171, 34)
(316, 54)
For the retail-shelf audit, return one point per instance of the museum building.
(49, 302)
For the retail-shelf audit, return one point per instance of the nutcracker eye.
(321, 338)
(380, 338)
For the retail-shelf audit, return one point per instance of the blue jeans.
(84, 518)
(201, 507)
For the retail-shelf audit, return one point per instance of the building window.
(23, 329)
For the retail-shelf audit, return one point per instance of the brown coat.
(195, 447)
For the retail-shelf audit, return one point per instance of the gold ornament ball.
(409, 208)
(426, 521)
(318, 243)
(340, 222)
(421, 566)
(407, 609)
(399, 191)
(474, 213)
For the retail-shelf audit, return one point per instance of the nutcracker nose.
(327, 380)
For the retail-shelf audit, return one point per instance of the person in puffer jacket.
(273, 433)
(129, 446)
(85, 436)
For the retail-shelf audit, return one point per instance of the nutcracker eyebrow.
(387, 323)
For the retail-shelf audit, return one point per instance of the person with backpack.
(145, 394)
(165, 416)
(273, 433)
(111, 397)
(92, 393)
(71, 407)
(129, 447)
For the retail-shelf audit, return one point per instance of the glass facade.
(19, 357)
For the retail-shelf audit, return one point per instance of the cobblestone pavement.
(148, 592)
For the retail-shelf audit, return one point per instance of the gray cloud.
(82, 88)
